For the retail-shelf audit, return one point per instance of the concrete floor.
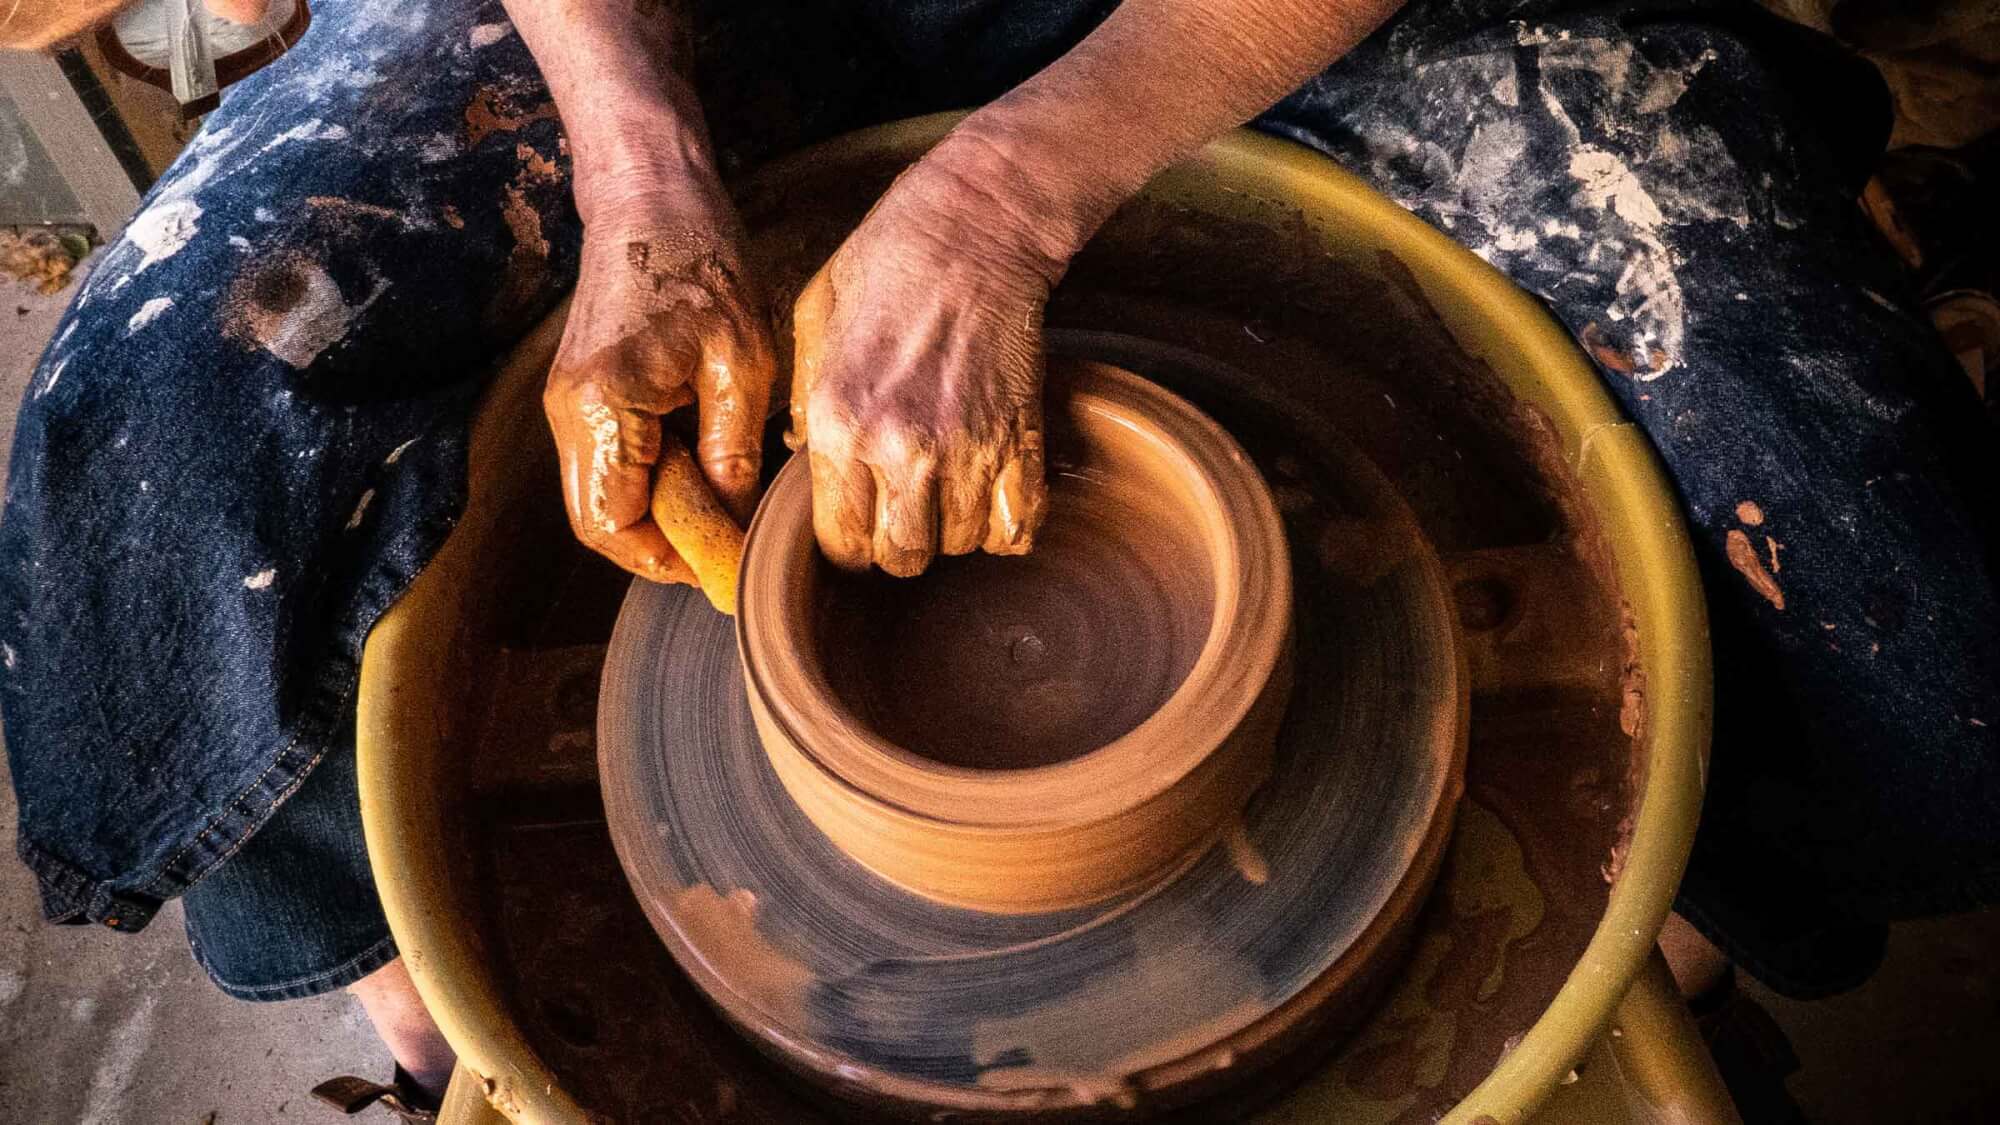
(98, 1028)
(101, 1028)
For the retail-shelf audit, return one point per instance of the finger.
(964, 507)
(695, 524)
(642, 550)
(1020, 499)
(906, 525)
(733, 394)
(638, 436)
(809, 316)
(843, 510)
(605, 487)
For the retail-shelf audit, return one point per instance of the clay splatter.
(487, 34)
(351, 208)
(1243, 853)
(1750, 514)
(719, 925)
(54, 374)
(148, 313)
(314, 130)
(1055, 1053)
(360, 510)
(523, 220)
(1743, 556)
(162, 229)
(490, 112)
(292, 308)
(535, 168)
(261, 580)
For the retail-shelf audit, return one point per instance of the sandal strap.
(351, 1095)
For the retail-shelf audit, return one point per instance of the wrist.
(642, 167)
(1025, 192)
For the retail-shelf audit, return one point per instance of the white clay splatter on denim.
(313, 130)
(315, 321)
(54, 374)
(148, 313)
(487, 34)
(1631, 189)
(160, 231)
(261, 580)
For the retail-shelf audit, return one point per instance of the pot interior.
(1009, 662)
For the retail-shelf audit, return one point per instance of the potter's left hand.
(917, 371)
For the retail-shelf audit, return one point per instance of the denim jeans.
(249, 433)
(294, 913)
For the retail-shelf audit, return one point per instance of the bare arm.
(664, 316)
(1156, 81)
(918, 380)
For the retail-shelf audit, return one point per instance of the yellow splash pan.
(423, 656)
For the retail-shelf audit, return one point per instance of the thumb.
(810, 314)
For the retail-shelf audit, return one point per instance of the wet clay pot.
(1044, 731)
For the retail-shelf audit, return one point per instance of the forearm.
(1156, 81)
(621, 75)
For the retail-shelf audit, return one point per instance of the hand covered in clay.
(917, 379)
(663, 318)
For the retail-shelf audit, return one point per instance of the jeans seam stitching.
(387, 941)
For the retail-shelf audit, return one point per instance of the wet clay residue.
(496, 110)
(524, 223)
(1244, 855)
(1749, 513)
(1489, 904)
(724, 927)
(1047, 1045)
(528, 261)
(1743, 556)
(997, 662)
(1112, 1083)
(351, 209)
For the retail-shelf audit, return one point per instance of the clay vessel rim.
(1242, 649)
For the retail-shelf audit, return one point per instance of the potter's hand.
(663, 318)
(917, 381)
(917, 375)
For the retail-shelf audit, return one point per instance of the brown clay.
(1743, 556)
(1021, 734)
(1006, 663)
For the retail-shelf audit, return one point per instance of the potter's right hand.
(917, 374)
(663, 318)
